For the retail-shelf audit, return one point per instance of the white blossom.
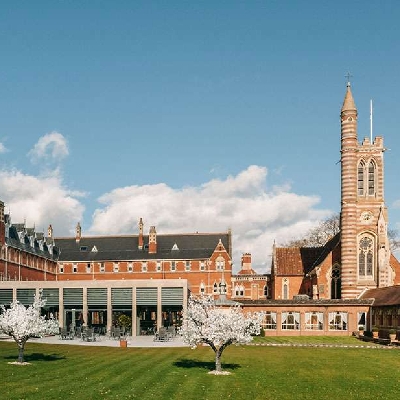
(218, 327)
(22, 323)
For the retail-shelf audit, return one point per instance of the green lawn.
(258, 372)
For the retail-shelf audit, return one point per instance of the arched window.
(285, 289)
(360, 178)
(266, 291)
(336, 282)
(371, 178)
(366, 257)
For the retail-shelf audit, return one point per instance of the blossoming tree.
(22, 323)
(218, 327)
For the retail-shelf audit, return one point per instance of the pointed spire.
(348, 103)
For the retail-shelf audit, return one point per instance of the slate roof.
(388, 296)
(125, 248)
(12, 240)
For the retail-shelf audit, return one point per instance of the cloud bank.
(257, 216)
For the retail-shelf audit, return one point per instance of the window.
(371, 178)
(83, 248)
(202, 265)
(130, 267)
(158, 266)
(173, 266)
(220, 263)
(290, 320)
(115, 267)
(314, 321)
(335, 282)
(285, 289)
(74, 268)
(239, 291)
(187, 266)
(361, 316)
(144, 266)
(360, 178)
(269, 321)
(61, 268)
(266, 294)
(338, 321)
(102, 267)
(366, 257)
(215, 288)
(88, 268)
(202, 288)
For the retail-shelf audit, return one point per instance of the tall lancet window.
(360, 178)
(371, 178)
(366, 257)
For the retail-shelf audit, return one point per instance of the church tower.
(365, 249)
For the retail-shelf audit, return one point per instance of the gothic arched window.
(366, 257)
(360, 178)
(285, 289)
(336, 282)
(371, 178)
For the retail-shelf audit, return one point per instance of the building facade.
(320, 290)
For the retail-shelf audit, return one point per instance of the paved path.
(135, 341)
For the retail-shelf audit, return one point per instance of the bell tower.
(365, 249)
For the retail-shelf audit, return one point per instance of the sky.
(196, 116)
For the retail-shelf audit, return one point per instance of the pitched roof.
(387, 296)
(119, 248)
(302, 260)
(295, 260)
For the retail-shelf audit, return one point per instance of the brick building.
(148, 276)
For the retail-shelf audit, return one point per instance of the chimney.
(152, 240)
(140, 243)
(246, 262)
(78, 232)
(50, 232)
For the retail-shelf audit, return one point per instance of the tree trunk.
(218, 365)
(21, 348)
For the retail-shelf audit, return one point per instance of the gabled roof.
(124, 248)
(301, 260)
(294, 260)
(388, 296)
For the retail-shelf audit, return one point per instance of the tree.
(22, 323)
(327, 229)
(203, 322)
(319, 235)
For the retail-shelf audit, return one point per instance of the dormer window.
(94, 249)
(83, 248)
(175, 247)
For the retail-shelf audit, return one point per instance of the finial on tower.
(348, 76)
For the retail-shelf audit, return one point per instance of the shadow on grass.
(210, 366)
(37, 357)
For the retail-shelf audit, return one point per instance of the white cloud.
(40, 201)
(50, 147)
(256, 216)
(2, 148)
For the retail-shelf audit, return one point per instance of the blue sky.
(196, 116)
